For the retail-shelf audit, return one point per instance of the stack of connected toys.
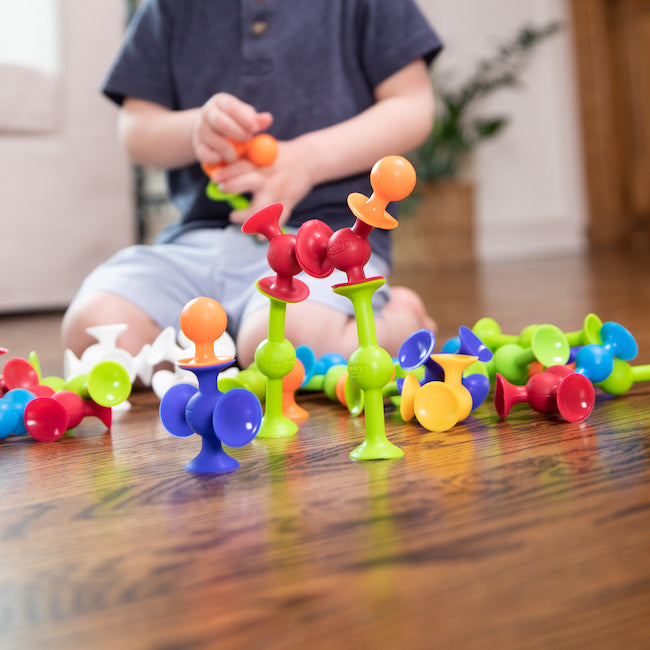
(47, 407)
(555, 373)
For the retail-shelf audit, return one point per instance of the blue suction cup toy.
(452, 345)
(328, 360)
(184, 409)
(619, 341)
(478, 386)
(468, 343)
(172, 409)
(594, 362)
(12, 409)
(416, 351)
(237, 417)
(472, 345)
(308, 359)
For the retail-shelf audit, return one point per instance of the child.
(339, 84)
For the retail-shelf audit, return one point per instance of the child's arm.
(398, 122)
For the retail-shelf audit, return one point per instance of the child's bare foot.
(406, 300)
(404, 314)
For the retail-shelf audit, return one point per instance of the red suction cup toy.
(281, 255)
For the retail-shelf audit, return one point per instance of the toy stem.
(274, 359)
(361, 298)
(277, 316)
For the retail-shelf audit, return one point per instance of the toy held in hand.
(261, 150)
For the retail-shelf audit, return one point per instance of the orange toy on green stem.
(261, 150)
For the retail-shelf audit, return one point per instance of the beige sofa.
(66, 188)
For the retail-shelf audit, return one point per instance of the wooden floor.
(528, 533)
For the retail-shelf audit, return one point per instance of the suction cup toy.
(320, 251)
(478, 386)
(45, 419)
(370, 367)
(467, 342)
(332, 379)
(290, 384)
(281, 255)
(416, 351)
(184, 410)
(307, 357)
(106, 349)
(596, 361)
(453, 366)
(349, 394)
(322, 369)
(408, 389)
(250, 378)
(172, 410)
(77, 409)
(489, 331)
(108, 383)
(623, 377)
(590, 332)
(236, 417)
(275, 357)
(261, 150)
(19, 373)
(437, 407)
(548, 346)
(12, 408)
(569, 395)
(165, 348)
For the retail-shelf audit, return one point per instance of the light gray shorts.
(222, 264)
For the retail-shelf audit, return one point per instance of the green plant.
(457, 128)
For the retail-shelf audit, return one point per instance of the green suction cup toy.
(549, 346)
(108, 383)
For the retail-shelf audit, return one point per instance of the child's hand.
(288, 180)
(221, 118)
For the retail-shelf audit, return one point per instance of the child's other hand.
(221, 118)
(288, 180)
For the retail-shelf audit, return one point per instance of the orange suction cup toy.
(392, 179)
(203, 320)
(261, 150)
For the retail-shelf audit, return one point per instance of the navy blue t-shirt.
(310, 63)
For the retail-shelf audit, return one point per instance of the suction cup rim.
(436, 406)
(416, 349)
(172, 410)
(550, 345)
(46, 419)
(374, 218)
(19, 373)
(298, 292)
(410, 387)
(621, 339)
(237, 417)
(262, 219)
(108, 383)
(311, 248)
(473, 345)
(575, 398)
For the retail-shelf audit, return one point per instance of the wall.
(530, 184)
(67, 190)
